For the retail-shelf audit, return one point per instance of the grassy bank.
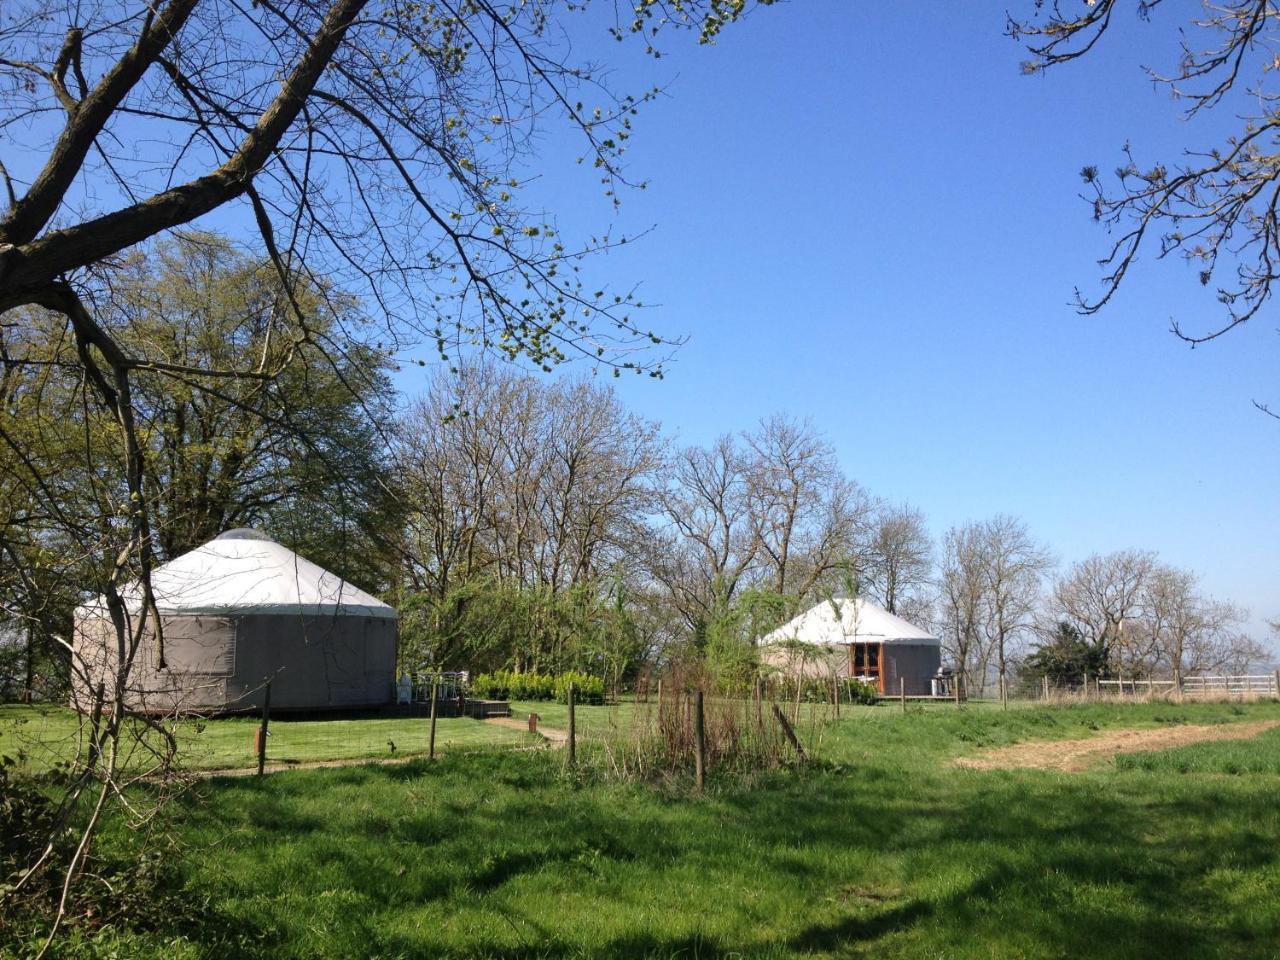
(887, 850)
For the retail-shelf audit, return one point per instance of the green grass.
(47, 735)
(884, 850)
(1260, 755)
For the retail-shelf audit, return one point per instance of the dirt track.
(1075, 755)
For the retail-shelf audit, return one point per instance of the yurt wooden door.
(865, 660)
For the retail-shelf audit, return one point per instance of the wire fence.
(44, 738)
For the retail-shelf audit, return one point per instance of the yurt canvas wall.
(236, 612)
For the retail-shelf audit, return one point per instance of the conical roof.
(843, 620)
(245, 571)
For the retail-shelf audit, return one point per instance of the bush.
(513, 685)
(861, 691)
(589, 689)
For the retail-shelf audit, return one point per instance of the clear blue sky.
(865, 215)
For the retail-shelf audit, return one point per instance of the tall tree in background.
(899, 557)
(1189, 632)
(809, 516)
(529, 490)
(1013, 565)
(707, 552)
(962, 589)
(1102, 597)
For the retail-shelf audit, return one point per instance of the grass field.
(47, 734)
(883, 850)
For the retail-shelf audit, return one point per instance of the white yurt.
(845, 637)
(239, 611)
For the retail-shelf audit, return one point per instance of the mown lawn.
(883, 850)
(45, 735)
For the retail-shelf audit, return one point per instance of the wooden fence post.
(902, 692)
(435, 696)
(1085, 688)
(956, 688)
(573, 725)
(1004, 693)
(262, 730)
(1277, 679)
(789, 733)
(700, 744)
(1046, 687)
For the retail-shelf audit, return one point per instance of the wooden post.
(1046, 687)
(1004, 693)
(956, 687)
(700, 744)
(1277, 679)
(1086, 685)
(789, 733)
(573, 725)
(262, 730)
(902, 692)
(435, 696)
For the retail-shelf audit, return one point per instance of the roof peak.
(243, 533)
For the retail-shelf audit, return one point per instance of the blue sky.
(866, 216)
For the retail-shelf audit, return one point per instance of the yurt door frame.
(867, 659)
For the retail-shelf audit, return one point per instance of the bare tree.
(899, 555)
(1013, 565)
(1102, 597)
(1189, 632)
(962, 589)
(809, 516)
(712, 537)
(533, 483)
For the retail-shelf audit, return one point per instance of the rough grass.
(46, 735)
(1259, 756)
(884, 850)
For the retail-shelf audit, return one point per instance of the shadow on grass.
(889, 861)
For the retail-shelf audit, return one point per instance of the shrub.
(861, 691)
(514, 685)
(589, 689)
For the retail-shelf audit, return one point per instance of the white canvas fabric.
(859, 621)
(244, 572)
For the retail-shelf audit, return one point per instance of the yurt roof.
(859, 621)
(244, 572)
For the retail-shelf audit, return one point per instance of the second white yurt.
(856, 638)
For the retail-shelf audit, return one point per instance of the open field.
(886, 849)
(49, 734)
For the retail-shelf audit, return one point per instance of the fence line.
(1224, 685)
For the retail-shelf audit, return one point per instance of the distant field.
(884, 849)
(46, 735)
